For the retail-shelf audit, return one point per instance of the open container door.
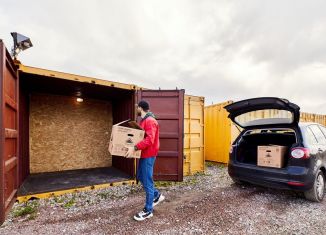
(8, 132)
(167, 105)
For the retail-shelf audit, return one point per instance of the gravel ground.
(203, 204)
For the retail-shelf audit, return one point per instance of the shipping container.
(52, 142)
(311, 117)
(194, 155)
(220, 132)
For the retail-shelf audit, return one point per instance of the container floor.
(55, 181)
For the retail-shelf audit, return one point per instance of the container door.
(168, 105)
(8, 132)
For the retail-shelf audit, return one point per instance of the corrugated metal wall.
(218, 135)
(194, 158)
(9, 129)
(168, 107)
(310, 117)
(220, 132)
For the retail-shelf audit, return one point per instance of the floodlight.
(21, 43)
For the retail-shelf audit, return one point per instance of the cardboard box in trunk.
(271, 156)
(122, 136)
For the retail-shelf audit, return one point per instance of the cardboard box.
(122, 136)
(271, 156)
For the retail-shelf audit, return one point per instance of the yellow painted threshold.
(25, 198)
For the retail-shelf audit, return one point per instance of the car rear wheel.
(238, 182)
(317, 192)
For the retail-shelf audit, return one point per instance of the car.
(304, 167)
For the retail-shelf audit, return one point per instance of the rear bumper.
(294, 178)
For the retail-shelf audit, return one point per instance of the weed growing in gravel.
(210, 164)
(28, 208)
(186, 182)
(70, 203)
(189, 182)
(109, 195)
(164, 184)
(58, 199)
(134, 189)
(202, 174)
(32, 216)
(104, 195)
(215, 164)
(221, 166)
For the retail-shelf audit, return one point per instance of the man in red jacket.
(149, 146)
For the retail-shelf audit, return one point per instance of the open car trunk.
(247, 145)
(263, 111)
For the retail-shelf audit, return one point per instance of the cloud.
(218, 49)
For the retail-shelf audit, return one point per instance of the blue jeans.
(145, 176)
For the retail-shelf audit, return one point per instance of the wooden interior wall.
(67, 135)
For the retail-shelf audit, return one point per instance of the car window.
(264, 117)
(318, 134)
(311, 139)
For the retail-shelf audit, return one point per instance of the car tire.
(317, 192)
(237, 181)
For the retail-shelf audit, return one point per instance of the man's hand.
(130, 152)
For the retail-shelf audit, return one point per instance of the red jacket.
(151, 143)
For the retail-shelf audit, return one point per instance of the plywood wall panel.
(66, 135)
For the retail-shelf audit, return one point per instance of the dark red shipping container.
(18, 82)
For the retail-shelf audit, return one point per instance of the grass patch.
(58, 199)
(134, 189)
(104, 195)
(221, 166)
(210, 164)
(191, 181)
(187, 182)
(70, 203)
(28, 208)
(164, 184)
(32, 216)
(109, 195)
(215, 164)
(201, 174)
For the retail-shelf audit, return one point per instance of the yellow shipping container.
(310, 117)
(194, 158)
(220, 132)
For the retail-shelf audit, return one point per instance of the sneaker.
(159, 199)
(144, 214)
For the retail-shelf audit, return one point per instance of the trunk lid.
(275, 111)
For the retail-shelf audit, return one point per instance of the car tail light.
(300, 153)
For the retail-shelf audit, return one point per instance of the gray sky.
(223, 50)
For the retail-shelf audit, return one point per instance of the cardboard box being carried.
(271, 156)
(122, 136)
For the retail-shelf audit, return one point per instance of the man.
(149, 147)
